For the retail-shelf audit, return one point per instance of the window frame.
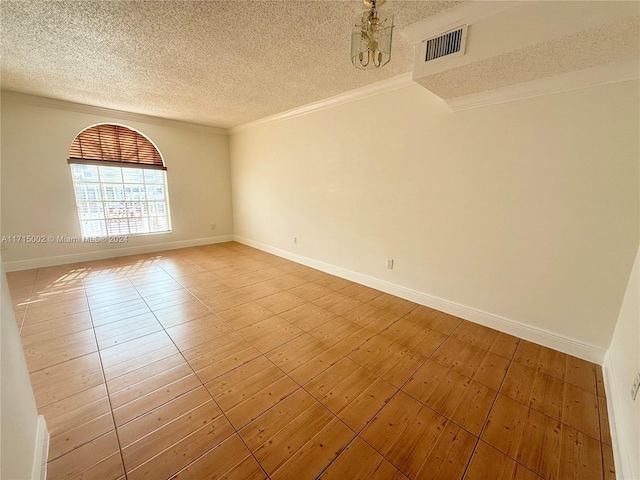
(104, 213)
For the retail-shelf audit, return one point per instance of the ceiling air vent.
(449, 44)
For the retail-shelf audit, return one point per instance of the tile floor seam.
(115, 428)
(400, 389)
(561, 422)
(246, 259)
(24, 314)
(486, 420)
(236, 431)
(317, 477)
(300, 386)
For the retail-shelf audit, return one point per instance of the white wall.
(621, 366)
(527, 210)
(19, 428)
(37, 189)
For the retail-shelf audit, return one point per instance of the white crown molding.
(384, 86)
(537, 335)
(105, 112)
(592, 77)
(468, 12)
(102, 254)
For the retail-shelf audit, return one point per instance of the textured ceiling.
(218, 63)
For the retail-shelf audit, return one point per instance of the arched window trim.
(113, 202)
(115, 145)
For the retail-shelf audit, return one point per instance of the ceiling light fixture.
(371, 37)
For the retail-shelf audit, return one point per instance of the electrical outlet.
(213, 226)
(390, 263)
(635, 386)
(295, 240)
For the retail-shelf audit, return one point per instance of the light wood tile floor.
(223, 361)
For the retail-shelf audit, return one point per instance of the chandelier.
(371, 37)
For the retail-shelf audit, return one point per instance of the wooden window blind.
(114, 145)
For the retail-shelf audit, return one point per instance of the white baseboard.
(621, 453)
(41, 453)
(531, 333)
(102, 254)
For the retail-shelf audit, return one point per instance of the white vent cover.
(448, 45)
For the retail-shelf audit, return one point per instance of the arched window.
(120, 182)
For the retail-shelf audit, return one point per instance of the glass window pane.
(113, 192)
(85, 173)
(136, 210)
(88, 192)
(90, 210)
(155, 192)
(111, 174)
(115, 210)
(139, 225)
(118, 227)
(134, 192)
(120, 201)
(133, 175)
(157, 208)
(153, 176)
(159, 224)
